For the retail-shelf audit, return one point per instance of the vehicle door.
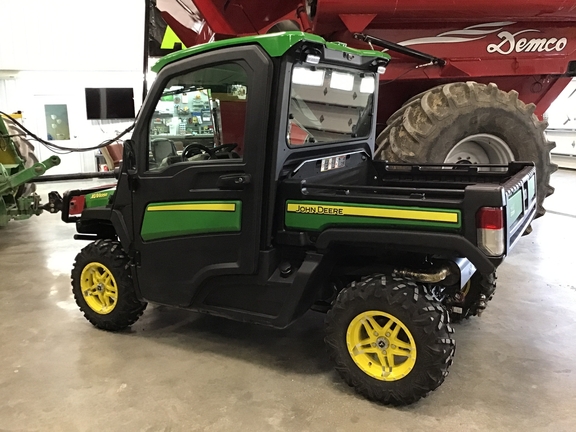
(197, 193)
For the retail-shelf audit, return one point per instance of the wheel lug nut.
(375, 333)
(393, 346)
(388, 334)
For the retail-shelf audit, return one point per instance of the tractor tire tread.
(412, 130)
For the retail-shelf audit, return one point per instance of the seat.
(179, 146)
(112, 155)
(162, 148)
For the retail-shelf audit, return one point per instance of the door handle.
(233, 181)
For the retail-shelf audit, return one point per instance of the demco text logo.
(510, 42)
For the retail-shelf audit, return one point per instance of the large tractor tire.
(26, 151)
(282, 26)
(469, 123)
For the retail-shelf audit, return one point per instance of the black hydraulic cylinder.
(400, 49)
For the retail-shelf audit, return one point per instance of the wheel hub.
(381, 345)
(480, 149)
(99, 288)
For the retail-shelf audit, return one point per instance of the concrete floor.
(515, 367)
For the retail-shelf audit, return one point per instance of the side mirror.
(129, 158)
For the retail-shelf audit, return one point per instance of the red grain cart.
(492, 70)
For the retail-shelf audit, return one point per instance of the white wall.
(562, 112)
(52, 51)
(103, 35)
(565, 142)
(37, 88)
(561, 118)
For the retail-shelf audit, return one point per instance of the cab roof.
(275, 44)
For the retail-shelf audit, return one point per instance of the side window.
(200, 116)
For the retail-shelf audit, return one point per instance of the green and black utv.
(249, 190)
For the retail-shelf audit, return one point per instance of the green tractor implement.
(18, 167)
(20, 170)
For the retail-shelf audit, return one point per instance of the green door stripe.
(172, 219)
(316, 215)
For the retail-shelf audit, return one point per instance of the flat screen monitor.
(110, 103)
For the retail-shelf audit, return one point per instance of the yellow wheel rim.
(381, 345)
(99, 288)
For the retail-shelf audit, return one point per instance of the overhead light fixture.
(367, 85)
(307, 76)
(312, 59)
(342, 81)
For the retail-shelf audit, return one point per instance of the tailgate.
(520, 192)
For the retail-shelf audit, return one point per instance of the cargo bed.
(426, 198)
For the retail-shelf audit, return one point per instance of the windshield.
(328, 105)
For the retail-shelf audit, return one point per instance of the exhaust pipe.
(424, 277)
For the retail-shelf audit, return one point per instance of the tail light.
(77, 204)
(490, 230)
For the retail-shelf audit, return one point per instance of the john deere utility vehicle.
(249, 191)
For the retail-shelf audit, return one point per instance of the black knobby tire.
(479, 291)
(430, 124)
(26, 151)
(427, 321)
(128, 308)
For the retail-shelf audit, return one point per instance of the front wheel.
(103, 287)
(389, 339)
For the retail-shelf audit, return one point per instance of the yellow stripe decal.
(193, 207)
(328, 210)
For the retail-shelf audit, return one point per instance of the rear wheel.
(469, 123)
(389, 340)
(103, 287)
(480, 149)
(474, 297)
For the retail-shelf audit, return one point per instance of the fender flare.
(115, 217)
(423, 242)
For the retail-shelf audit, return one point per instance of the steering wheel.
(194, 149)
(224, 150)
(225, 147)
